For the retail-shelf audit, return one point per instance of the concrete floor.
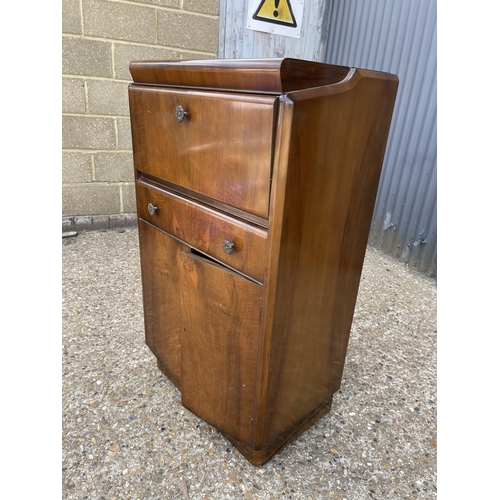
(126, 435)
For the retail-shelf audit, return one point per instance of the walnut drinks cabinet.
(255, 182)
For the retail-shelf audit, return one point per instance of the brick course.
(188, 31)
(108, 97)
(100, 38)
(114, 167)
(85, 57)
(119, 21)
(76, 167)
(73, 98)
(88, 132)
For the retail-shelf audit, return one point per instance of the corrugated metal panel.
(399, 36)
(236, 41)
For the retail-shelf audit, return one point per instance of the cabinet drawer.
(238, 245)
(222, 148)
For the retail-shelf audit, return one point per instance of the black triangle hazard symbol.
(276, 12)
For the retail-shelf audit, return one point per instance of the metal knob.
(228, 247)
(180, 114)
(152, 209)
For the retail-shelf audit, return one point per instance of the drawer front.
(221, 148)
(236, 244)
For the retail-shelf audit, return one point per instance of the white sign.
(281, 17)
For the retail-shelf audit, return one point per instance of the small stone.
(232, 479)
(114, 447)
(248, 494)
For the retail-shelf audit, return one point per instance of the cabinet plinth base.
(259, 457)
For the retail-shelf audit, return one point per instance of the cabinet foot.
(261, 456)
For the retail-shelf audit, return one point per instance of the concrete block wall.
(100, 38)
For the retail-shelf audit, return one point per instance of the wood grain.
(160, 287)
(220, 338)
(325, 213)
(257, 75)
(222, 149)
(259, 456)
(205, 229)
(204, 200)
(260, 363)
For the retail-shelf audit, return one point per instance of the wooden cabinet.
(256, 182)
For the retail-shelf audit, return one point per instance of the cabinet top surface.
(273, 76)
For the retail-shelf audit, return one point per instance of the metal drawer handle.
(180, 114)
(228, 247)
(152, 209)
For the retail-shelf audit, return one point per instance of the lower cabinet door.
(162, 306)
(221, 316)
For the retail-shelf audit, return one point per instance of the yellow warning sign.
(276, 12)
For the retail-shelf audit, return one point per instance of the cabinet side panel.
(220, 339)
(337, 146)
(162, 306)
